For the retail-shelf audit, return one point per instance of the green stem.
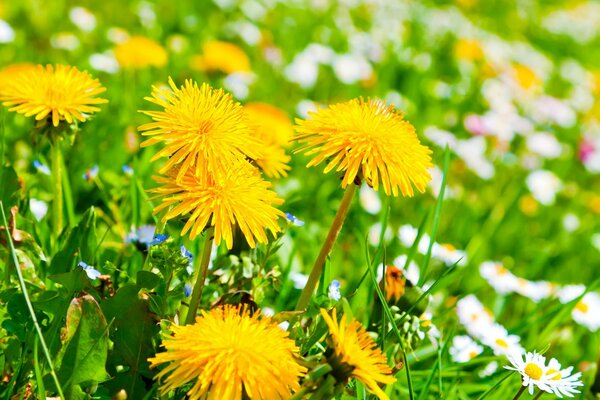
(520, 392)
(29, 305)
(334, 231)
(537, 396)
(57, 189)
(201, 274)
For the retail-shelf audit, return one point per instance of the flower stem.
(520, 392)
(57, 189)
(334, 231)
(201, 274)
(539, 395)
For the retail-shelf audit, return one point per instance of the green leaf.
(134, 329)
(147, 280)
(84, 353)
(81, 240)
(9, 182)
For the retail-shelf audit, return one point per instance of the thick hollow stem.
(334, 231)
(200, 274)
(57, 189)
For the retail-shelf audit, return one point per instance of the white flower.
(498, 339)
(7, 33)
(544, 186)
(352, 68)
(303, 70)
(544, 144)
(449, 254)
(304, 107)
(498, 277)
(411, 273)
(571, 222)
(464, 349)
(561, 381)
(38, 208)
(569, 292)
(83, 19)
(369, 199)
(534, 290)
(299, 279)
(489, 369)
(532, 370)
(65, 41)
(238, 83)
(105, 62)
(375, 234)
(407, 235)
(474, 316)
(587, 311)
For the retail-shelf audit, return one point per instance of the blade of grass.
(436, 217)
(415, 245)
(496, 385)
(39, 377)
(437, 367)
(390, 316)
(29, 305)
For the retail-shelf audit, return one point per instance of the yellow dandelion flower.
(526, 77)
(355, 351)
(237, 197)
(10, 71)
(274, 130)
(370, 138)
(222, 57)
(140, 52)
(231, 355)
(202, 128)
(61, 93)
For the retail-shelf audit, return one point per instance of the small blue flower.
(91, 173)
(127, 170)
(158, 239)
(334, 290)
(294, 220)
(187, 290)
(41, 167)
(185, 252)
(91, 272)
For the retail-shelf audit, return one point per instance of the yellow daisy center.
(533, 371)
(583, 307)
(502, 343)
(555, 377)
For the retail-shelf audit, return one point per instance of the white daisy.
(474, 316)
(532, 370)
(586, 311)
(464, 349)
(369, 199)
(498, 277)
(498, 339)
(561, 381)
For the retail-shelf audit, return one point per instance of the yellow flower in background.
(61, 93)
(221, 57)
(203, 129)
(468, 50)
(230, 355)
(237, 196)
(140, 52)
(273, 129)
(367, 139)
(526, 77)
(357, 355)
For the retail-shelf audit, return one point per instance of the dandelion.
(274, 130)
(60, 93)
(355, 355)
(232, 355)
(221, 56)
(140, 52)
(367, 139)
(203, 129)
(238, 197)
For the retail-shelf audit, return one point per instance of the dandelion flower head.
(203, 129)
(221, 56)
(58, 92)
(368, 139)
(354, 350)
(229, 354)
(238, 197)
(140, 52)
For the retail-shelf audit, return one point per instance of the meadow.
(303, 199)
